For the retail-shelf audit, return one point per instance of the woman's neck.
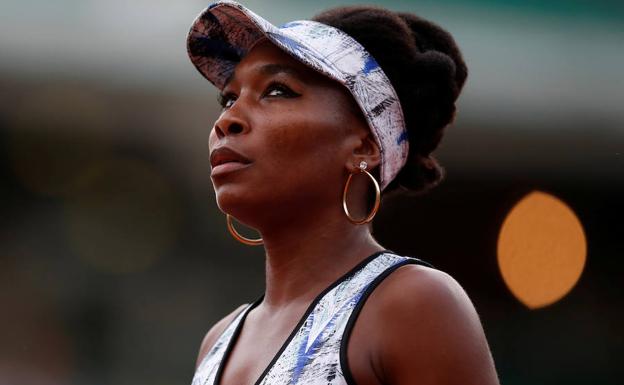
(307, 255)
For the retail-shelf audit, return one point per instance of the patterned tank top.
(315, 353)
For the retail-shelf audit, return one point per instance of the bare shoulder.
(432, 332)
(426, 288)
(427, 298)
(215, 331)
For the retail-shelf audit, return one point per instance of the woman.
(318, 117)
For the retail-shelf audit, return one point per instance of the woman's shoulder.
(426, 315)
(421, 288)
(419, 283)
(215, 331)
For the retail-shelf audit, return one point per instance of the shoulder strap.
(358, 308)
(210, 363)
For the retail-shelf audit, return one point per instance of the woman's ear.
(366, 150)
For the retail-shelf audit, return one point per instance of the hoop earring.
(371, 215)
(240, 238)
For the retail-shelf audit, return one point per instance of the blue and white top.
(315, 352)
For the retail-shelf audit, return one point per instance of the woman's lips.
(226, 168)
(225, 160)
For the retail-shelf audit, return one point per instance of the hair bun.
(421, 174)
(429, 37)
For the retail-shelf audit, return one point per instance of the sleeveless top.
(315, 353)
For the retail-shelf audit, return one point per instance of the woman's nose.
(230, 124)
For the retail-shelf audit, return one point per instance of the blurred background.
(114, 259)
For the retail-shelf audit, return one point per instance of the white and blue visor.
(224, 32)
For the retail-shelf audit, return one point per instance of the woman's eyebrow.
(274, 69)
(271, 69)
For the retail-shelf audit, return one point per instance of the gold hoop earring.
(240, 238)
(371, 215)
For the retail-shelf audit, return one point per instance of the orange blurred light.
(541, 249)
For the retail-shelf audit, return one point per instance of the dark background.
(114, 260)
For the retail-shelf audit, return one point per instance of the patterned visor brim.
(225, 31)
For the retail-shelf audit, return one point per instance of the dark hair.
(427, 71)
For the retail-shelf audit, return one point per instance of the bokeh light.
(541, 249)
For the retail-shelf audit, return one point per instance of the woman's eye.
(226, 100)
(278, 89)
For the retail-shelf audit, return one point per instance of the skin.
(303, 138)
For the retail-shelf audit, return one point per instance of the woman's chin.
(235, 200)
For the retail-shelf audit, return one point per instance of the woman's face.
(285, 140)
